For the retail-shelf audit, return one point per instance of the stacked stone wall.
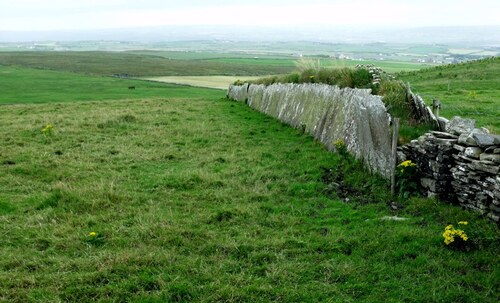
(461, 165)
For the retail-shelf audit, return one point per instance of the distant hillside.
(470, 89)
(134, 65)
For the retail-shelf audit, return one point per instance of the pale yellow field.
(219, 82)
(463, 51)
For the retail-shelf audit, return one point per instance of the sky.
(45, 15)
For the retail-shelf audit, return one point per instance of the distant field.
(219, 82)
(110, 63)
(470, 90)
(150, 63)
(203, 55)
(25, 85)
(389, 66)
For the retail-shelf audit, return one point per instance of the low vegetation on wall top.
(394, 92)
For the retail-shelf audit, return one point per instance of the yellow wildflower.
(463, 222)
(407, 163)
(92, 234)
(450, 233)
(48, 129)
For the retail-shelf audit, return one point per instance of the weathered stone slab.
(428, 184)
(329, 114)
(460, 148)
(490, 157)
(460, 126)
(442, 123)
(484, 140)
(445, 142)
(444, 135)
(473, 152)
(467, 140)
(485, 166)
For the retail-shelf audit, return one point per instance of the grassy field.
(25, 85)
(135, 65)
(470, 90)
(171, 198)
(161, 63)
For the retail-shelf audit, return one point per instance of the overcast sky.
(27, 15)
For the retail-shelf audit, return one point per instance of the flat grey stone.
(473, 152)
(490, 157)
(485, 166)
(460, 148)
(467, 140)
(442, 123)
(445, 142)
(481, 130)
(460, 126)
(428, 183)
(444, 135)
(483, 140)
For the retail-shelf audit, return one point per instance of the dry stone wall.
(461, 165)
(329, 114)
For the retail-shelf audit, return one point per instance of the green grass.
(24, 85)
(203, 199)
(474, 90)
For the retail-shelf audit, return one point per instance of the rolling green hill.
(134, 65)
(470, 90)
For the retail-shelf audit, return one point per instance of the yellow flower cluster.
(405, 164)
(48, 129)
(92, 234)
(450, 233)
